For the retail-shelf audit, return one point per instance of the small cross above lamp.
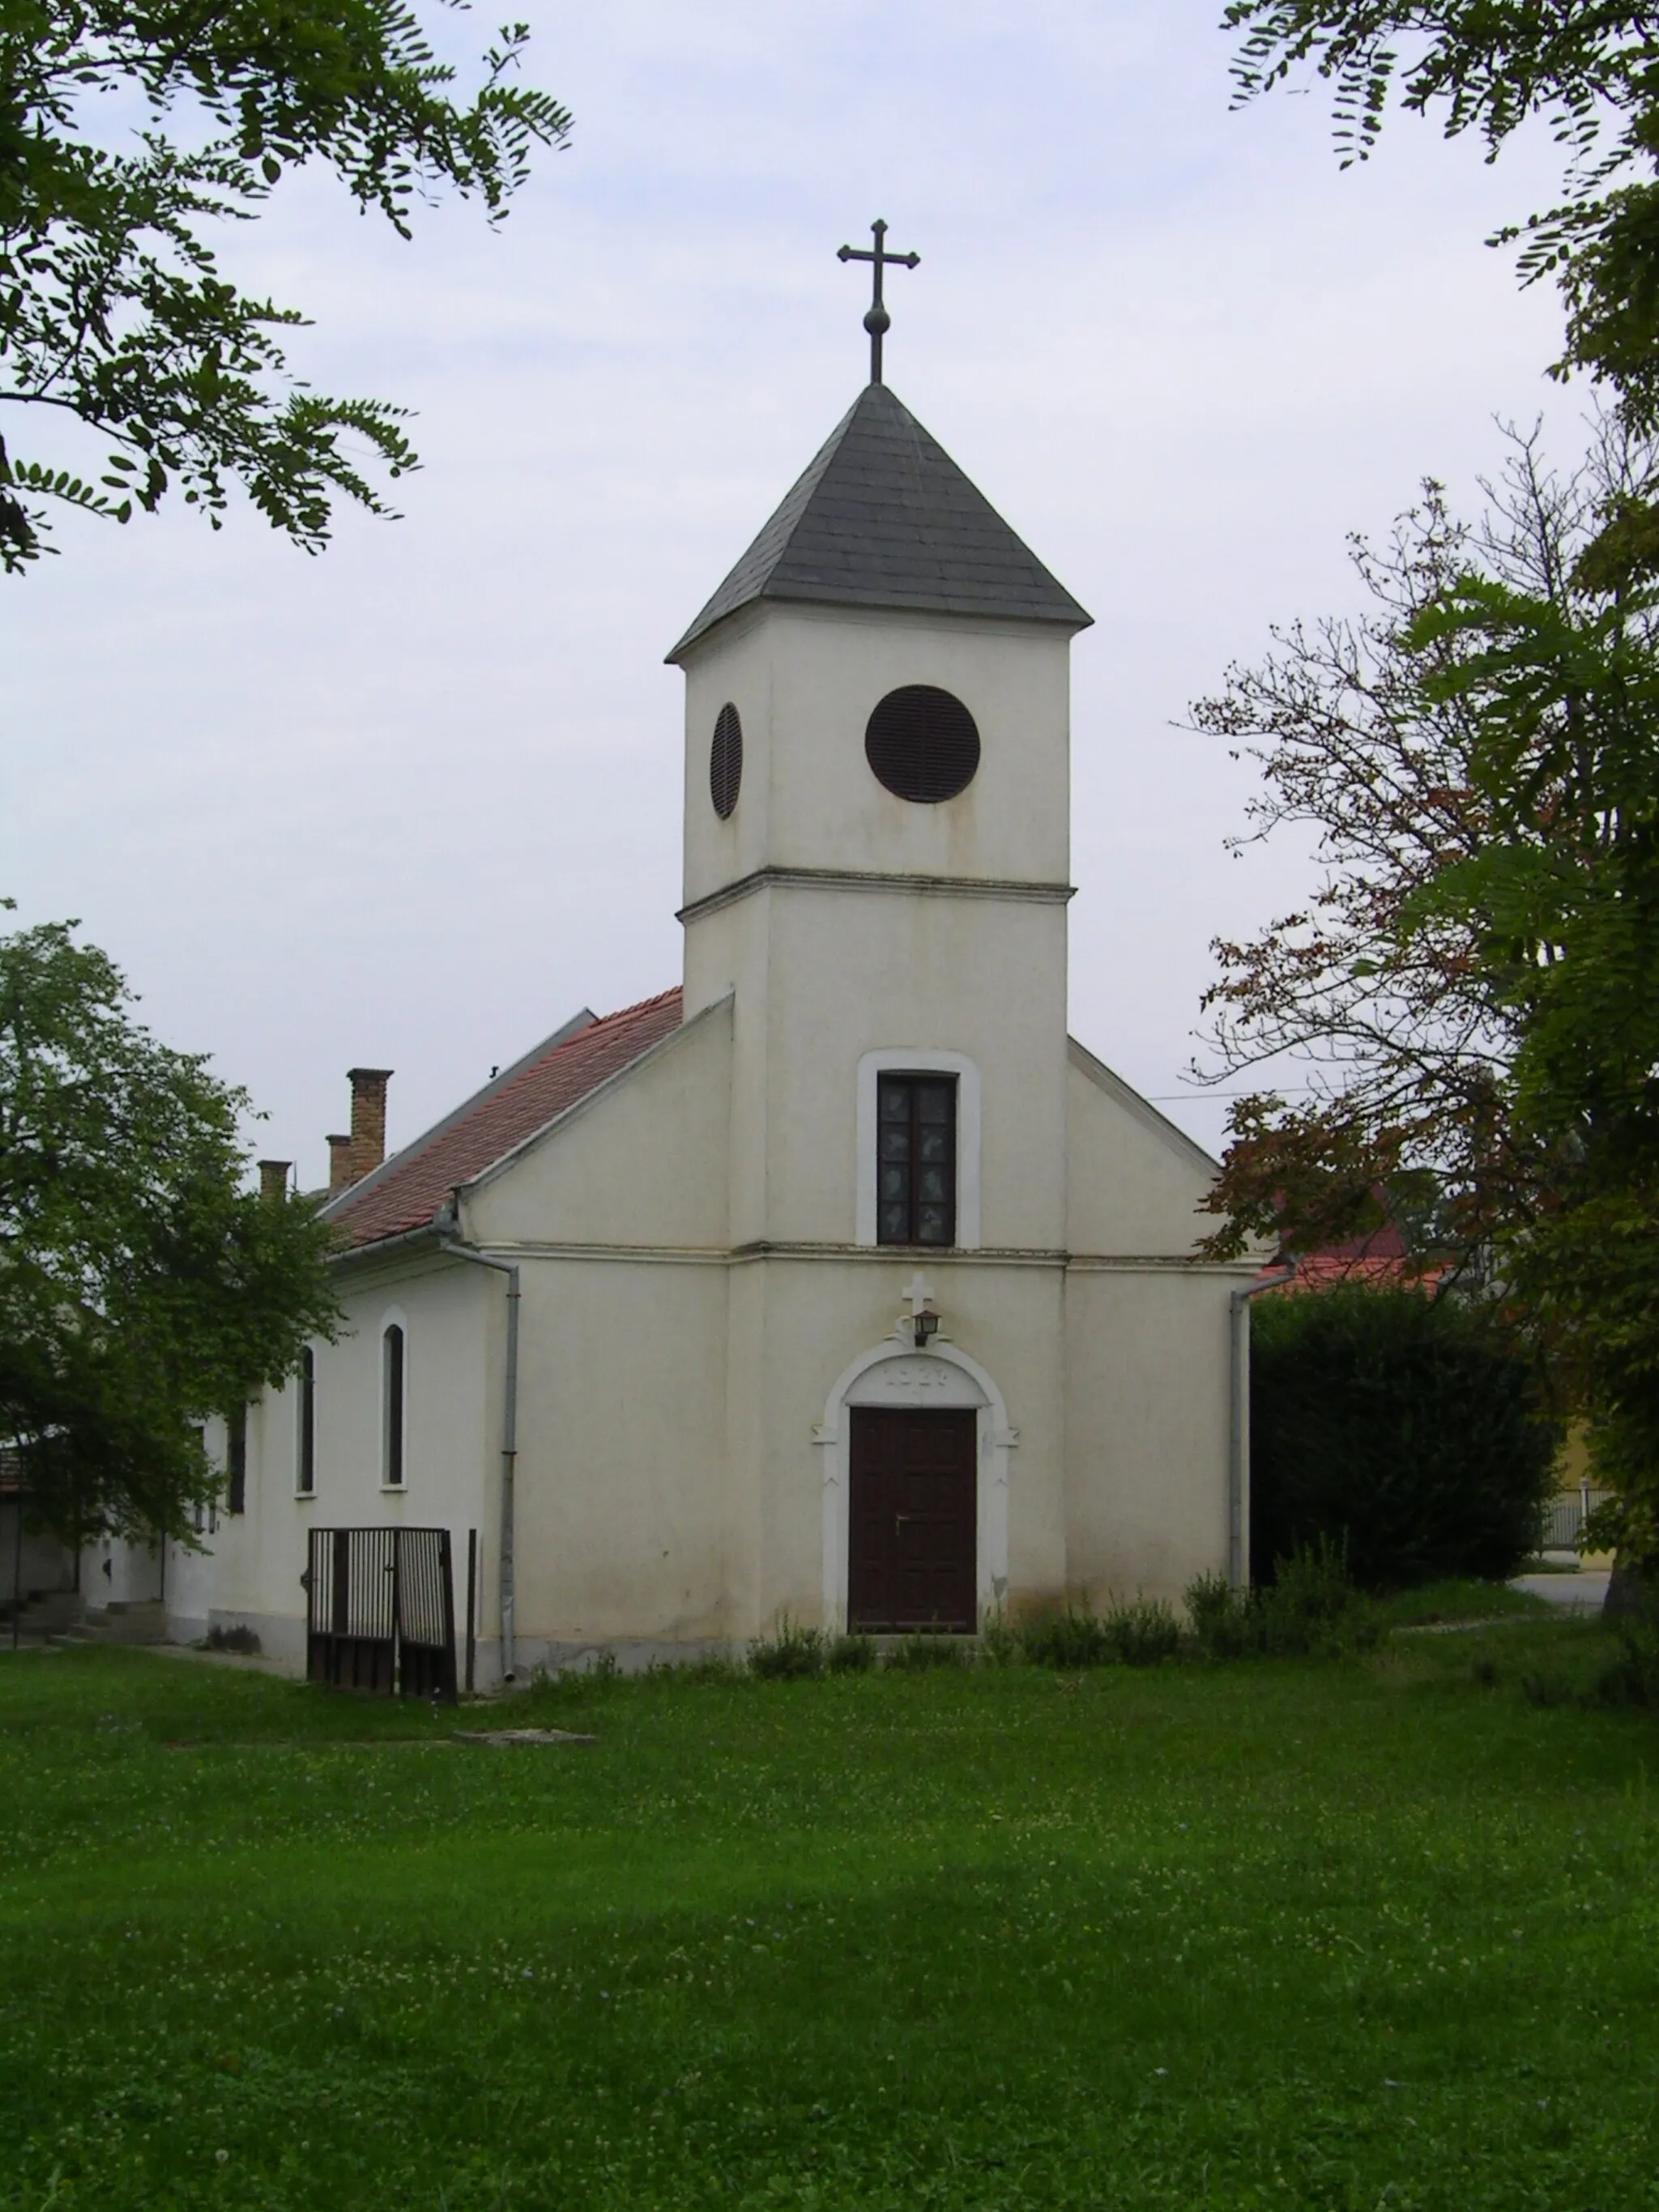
(922, 1320)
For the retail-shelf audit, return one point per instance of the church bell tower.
(877, 840)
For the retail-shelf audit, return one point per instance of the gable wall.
(1131, 1187)
(642, 1163)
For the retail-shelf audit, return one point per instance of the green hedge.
(1398, 1426)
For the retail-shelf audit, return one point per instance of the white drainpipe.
(510, 1436)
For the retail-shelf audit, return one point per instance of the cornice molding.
(861, 880)
(405, 1253)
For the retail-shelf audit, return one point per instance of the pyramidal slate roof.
(884, 518)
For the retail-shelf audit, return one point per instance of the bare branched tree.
(1402, 1027)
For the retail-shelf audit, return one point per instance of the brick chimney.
(367, 1118)
(340, 1176)
(273, 1181)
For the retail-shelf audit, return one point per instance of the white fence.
(1565, 1517)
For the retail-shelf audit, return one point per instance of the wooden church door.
(914, 1507)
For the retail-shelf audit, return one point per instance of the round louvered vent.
(725, 762)
(922, 744)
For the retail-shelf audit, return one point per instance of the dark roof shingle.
(883, 517)
(412, 1186)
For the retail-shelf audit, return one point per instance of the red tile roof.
(409, 1189)
(1382, 1256)
(1324, 1271)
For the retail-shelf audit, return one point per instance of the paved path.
(1579, 1593)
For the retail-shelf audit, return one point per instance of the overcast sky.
(413, 803)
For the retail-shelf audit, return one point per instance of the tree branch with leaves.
(113, 308)
(1587, 70)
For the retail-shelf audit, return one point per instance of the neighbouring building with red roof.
(836, 1282)
(1377, 1258)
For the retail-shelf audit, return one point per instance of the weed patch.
(235, 1638)
(1310, 1609)
(923, 1654)
(792, 1653)
(1141, 1633)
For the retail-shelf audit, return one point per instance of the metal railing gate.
(380, 1612)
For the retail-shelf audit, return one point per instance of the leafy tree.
(114, 313)
(141, 1288)
(1543, 901)
(1563, 903)
(1473, 992)
(1587, 69)
(1402, 1035)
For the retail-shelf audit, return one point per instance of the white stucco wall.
(673, 1470)
(622, 1391)
(1147, 1387)
(1147, 1349)
(450, 1316)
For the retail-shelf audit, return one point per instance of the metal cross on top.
(878, 322)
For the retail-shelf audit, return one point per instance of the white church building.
(837, 1283)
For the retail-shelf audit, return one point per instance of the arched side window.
(305, 1474)
(393, 1383)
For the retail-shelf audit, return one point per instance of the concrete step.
(65, 1617)
(42, 1615)
(133, 1620)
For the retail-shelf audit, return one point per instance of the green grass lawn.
(1350, 1933)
